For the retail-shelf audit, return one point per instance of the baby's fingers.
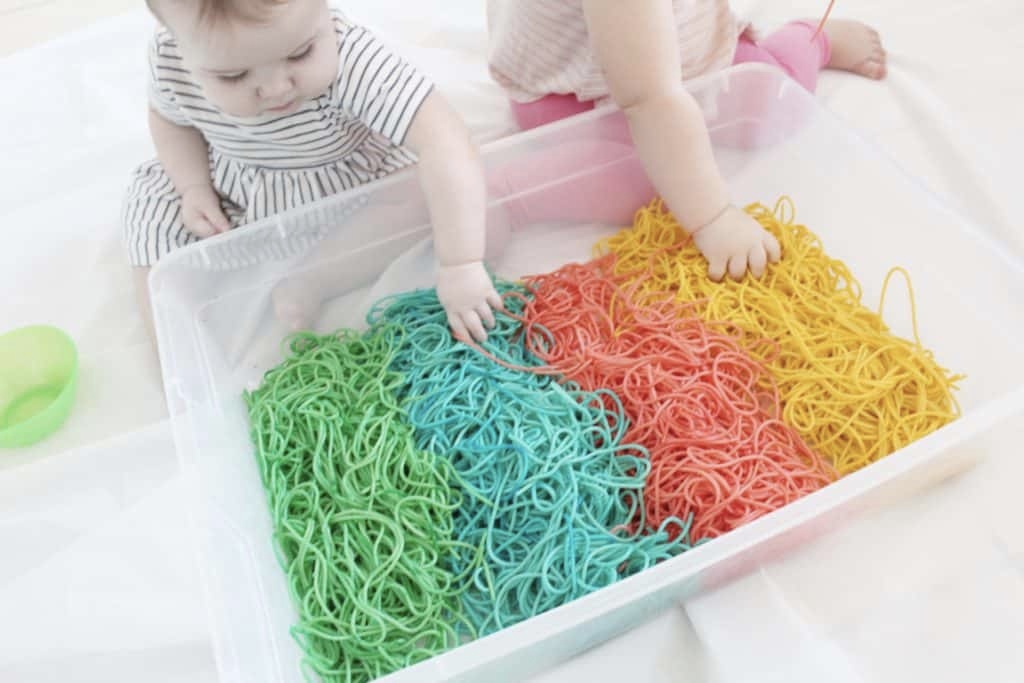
(738, 266)
(201, 228)
(486, 315)
(716, 269)
(772, 247)
(217, 219)
(757, 258)
(475, 326)
(495, 301)
(458, 327)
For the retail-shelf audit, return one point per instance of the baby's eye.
(233, 78)
(302, 54)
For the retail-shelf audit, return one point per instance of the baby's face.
(259, 69)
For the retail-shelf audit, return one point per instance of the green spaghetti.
(362, 518)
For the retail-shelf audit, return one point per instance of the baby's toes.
(879, 63)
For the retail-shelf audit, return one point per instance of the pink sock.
(790, 49)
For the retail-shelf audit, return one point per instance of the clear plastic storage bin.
(218, 335)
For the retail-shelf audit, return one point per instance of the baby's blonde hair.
(210, 12)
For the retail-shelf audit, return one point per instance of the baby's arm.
(637, 46)
(183, 153)
(452, 179)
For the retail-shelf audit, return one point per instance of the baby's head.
(254, 57)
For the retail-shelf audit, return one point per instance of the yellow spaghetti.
(855, 391)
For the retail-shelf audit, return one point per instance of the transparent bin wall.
(218, 334)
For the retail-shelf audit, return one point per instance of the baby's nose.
(276, 84)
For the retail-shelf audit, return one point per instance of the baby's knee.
(151, 220)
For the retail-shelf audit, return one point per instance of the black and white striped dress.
(350, 135)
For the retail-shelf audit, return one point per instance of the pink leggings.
(613, 194)
(790, 49)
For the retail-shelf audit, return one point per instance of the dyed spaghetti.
(362, 518)
(700, 404)
(851, 388)
(547, 485)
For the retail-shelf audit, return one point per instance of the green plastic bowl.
(38, 377)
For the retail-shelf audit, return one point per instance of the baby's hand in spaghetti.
(468, 297)
(734, 242)
(201, 211)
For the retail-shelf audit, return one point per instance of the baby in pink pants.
(556, 58)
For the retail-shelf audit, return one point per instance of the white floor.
(24, 23)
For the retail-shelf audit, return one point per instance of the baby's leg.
(547, 109)
(790, 49)
(151, 216)
(847, 45)
(551, 108)
(153, 227)
(597, 180)
(593, 181)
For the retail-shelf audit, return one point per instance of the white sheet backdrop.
(97, 581)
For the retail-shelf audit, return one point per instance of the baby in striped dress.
(556, 58)
(259, 106)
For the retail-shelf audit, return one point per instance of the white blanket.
(96, 575)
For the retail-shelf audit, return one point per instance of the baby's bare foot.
(856, 47)
(297, 303)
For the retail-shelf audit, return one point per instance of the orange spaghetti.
(702, 407)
